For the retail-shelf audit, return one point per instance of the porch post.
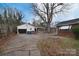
(17, 31)
(26, 31)
(57, 29)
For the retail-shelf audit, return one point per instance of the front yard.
(58, 46)
(47, 44)
(70, 43)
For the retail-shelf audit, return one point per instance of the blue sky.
(26, 9)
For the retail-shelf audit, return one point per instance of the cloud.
(72, 14)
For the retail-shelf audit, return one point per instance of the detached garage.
(26, 28)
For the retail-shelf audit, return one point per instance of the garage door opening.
(22, 30)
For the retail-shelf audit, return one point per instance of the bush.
(76, 32)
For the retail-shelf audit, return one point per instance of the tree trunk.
(48, 27)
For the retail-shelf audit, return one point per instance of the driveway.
(22, 45)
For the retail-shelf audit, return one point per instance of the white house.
(26, 28)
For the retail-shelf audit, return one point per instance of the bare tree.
(46, 11)
(10, 18)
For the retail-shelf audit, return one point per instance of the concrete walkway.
(22, 45)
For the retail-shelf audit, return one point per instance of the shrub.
(76, 32)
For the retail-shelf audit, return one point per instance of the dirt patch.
(4, 40)
(23, 43)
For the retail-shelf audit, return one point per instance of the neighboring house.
(26, 28)
(64, 28)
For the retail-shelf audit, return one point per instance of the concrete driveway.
(22, 45)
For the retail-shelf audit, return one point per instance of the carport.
(21, 29)
(26, 28)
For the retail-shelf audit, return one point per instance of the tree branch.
(58, 5)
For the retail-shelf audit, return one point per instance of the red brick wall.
(65, 33)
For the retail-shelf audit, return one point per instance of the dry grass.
(70, 43)
(47, 45)
(4, 40)
(51, 46)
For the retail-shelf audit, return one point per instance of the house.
(64, 28)
(26, 28)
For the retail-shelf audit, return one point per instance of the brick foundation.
(65, 33)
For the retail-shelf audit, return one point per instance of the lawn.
(70, 43)
(52, 45)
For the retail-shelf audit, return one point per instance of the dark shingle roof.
(69, 22)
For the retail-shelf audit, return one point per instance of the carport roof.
(69, 22)
(24, 26)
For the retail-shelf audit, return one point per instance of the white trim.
(65, 27)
